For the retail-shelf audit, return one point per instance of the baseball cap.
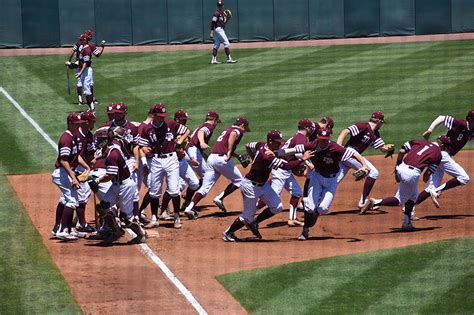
(275, 135)
(214, 115)
(444, 140)
(242, 121)
(220, 3)
(75, 118)
(470, 114)
(324, 133)
(158, 110)
(120, 108)
(110, 109)
(328, 121)
(181, 114)
(305, 123)
(89, 116)
(378, 115)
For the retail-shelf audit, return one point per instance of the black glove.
(93, 182)
(244, 159)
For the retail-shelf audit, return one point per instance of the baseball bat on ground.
(96, 213)
(68, 82)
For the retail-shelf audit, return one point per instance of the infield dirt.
(122, 279)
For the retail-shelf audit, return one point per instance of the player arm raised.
(342, 136)
(432, 127)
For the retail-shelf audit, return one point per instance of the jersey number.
(426, 147)
(221, 136)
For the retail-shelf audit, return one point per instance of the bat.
(68, 82)
(96, 214)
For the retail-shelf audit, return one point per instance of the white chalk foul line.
(144, 247)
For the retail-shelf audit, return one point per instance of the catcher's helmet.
(470, 114)
(101, 137)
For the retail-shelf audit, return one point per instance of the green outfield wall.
(58, 23)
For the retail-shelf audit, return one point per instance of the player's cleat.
(293, 223)
(254, 229)
(220, 204)
(229, 237)
(231, 61)
(434, 197)
(96, 102)
(215, 62)
(304, 235)
(177, 221)
(300, 205)
(191, 214)
(166, 216)
(138, 240)
(55, 229)
(153, 223)
(78, 234)
(86, 229)
(408, 227)
(368, 205)
(143, 218)
(65, 236)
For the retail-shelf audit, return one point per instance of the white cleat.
(220, 204)
(65, 236)
(434, 197)
(214, 62)
(231, 61)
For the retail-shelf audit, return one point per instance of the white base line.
(144, 247)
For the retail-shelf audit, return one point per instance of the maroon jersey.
(131, 130)
(140, 129)
(86, 145)
(263, 164)
(162, 139)
(458, 132)
(297, 139)
(256, 146)
(326, 161)
(115, 163)
(422, 153)
(77, 48)
(222, 142)
(362, 135)
(218, 20)
(85, 54)
(68, 149)
(208, 130)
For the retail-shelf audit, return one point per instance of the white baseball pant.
(69, 196)
(122, 194)
(133, 175)
(451, 167)
(187, 176)
(408, 189)
(284, 178)
(217, 166)
(87, 81)
(321, 193)
(251, 192)
(352, 163)
(194, 152)
(220, 38)
(103, 187)
(161, 166)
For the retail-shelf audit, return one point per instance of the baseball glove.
(360, 174)
(244, 159)
(83, 177)
(93, 183)
(228, 13)
(389, 149)
(299, 170)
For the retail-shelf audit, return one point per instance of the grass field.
(412, 83)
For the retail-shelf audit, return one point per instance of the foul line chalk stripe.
(144, 247)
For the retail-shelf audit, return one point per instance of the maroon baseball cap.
(214, 115)
(120, 107)
(305, 123)
(275, 135)
(220, 3)
(378, 115)
(89, 116)
(324, 134)
(158, 110)
(75, 118)
(181, 114)
(110, 109)
(470, 114)
(444, 140)
(242, 121)
(328, 121)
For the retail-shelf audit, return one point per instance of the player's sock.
(197, 197)
(66, 218)
(408, 210)
(145, 201)
(422, 197)
(176, 203)
(155, 203)
(136, 209)
(260, 204)
(293, 204)
(228, 190)
(264, 215)
(81, 214)
(389, 201)
(59, 213)
(189, 195)
(306, 187)
(165, 201)
(453, 182)
(235, 226)
(368, 184)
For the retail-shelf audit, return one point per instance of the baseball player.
(162, 138)
(255, 185)
(323, 179)
(123, 187)
(65, 178)
(361, 136)
(413, 158)
(131, 153)
(87, 150)
(85, 67)
(76, 51)
(218, 22)
(219, 162)
(460, 131)
(187, 175)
